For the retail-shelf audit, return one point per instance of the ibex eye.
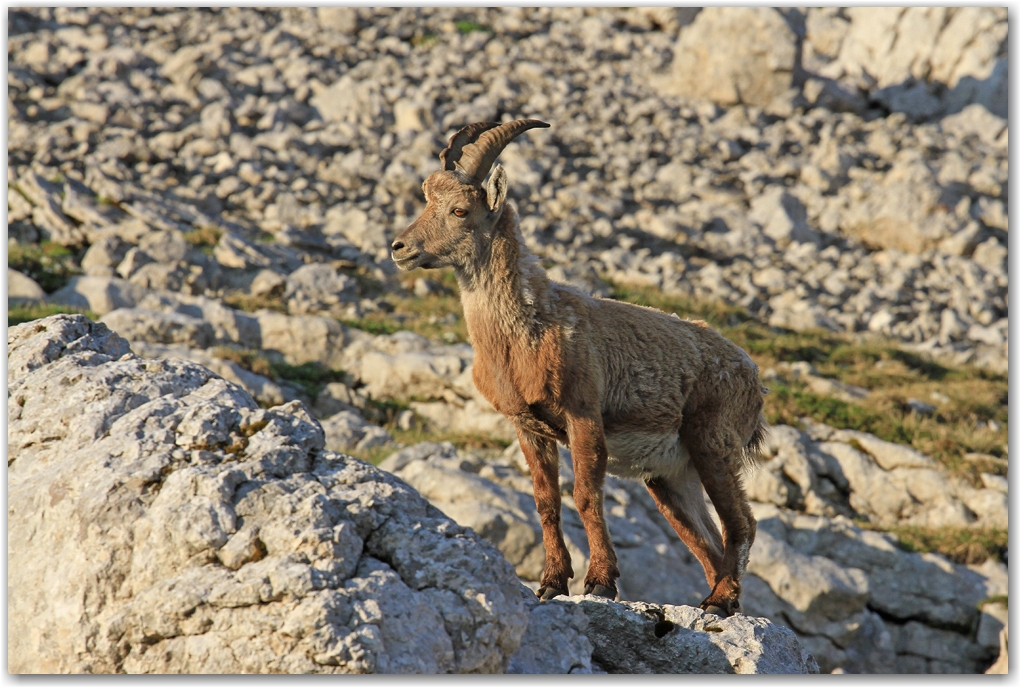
(459, 212)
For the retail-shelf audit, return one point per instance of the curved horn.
(475, 147)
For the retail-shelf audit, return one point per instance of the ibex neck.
(507, 288)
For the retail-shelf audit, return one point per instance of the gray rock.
(21, 288)
(318, 288)
(268, 283)
(139, 324)
(782, 217)
(264, 390)
(756, 69)
(104, 255)
(646, 638)
(304, 338)
(555, 641)
(98, 294)
(470, 417)
(347, 430)
(166, 467)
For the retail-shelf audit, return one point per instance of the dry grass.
(243, 301)
(473, 442)
(963, 545)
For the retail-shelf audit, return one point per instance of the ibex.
(629, 389)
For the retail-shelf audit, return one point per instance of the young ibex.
(629, 389)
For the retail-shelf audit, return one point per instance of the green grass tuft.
(465, 26)
(19, 314)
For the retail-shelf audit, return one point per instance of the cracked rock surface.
(159, 521)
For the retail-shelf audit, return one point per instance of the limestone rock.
(126, 503)
(22, 288)
(99, 294)
(140, 324)
(756, 67)
(648, 638)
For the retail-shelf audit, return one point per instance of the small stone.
(268, 284)
(406, 420)
(920, 407)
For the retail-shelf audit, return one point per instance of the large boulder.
(734, 55)
(159, 521)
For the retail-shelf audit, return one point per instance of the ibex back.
(629, 389)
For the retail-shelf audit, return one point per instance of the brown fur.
(629, 389)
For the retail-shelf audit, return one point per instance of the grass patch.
(424, 40)
(997, 599)
(311, 378)
(465, 26)
(411, 437)
(374, 324)
(247, 303)
(19, 314)
(203, 237)
(959, 544)
(428, 316)
(48, 263)
(891, 373)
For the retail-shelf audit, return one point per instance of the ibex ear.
(497, 189)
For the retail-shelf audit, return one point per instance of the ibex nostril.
(397, 245)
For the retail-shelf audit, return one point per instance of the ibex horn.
(475, 147)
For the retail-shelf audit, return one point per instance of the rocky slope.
(803, 199)
(160, 522)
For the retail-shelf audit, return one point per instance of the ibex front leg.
(544, 462)
(588, 449)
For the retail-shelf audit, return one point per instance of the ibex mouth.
(406, 262)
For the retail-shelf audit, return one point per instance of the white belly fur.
(642, 455)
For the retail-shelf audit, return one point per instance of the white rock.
(163, 468)
(21, 288)
(756, 69)
(99, 294)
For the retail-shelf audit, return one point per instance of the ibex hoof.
(546, 593)
(716, 610)
(601, 590)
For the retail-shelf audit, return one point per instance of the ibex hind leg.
(682, 503)
(719, 469)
